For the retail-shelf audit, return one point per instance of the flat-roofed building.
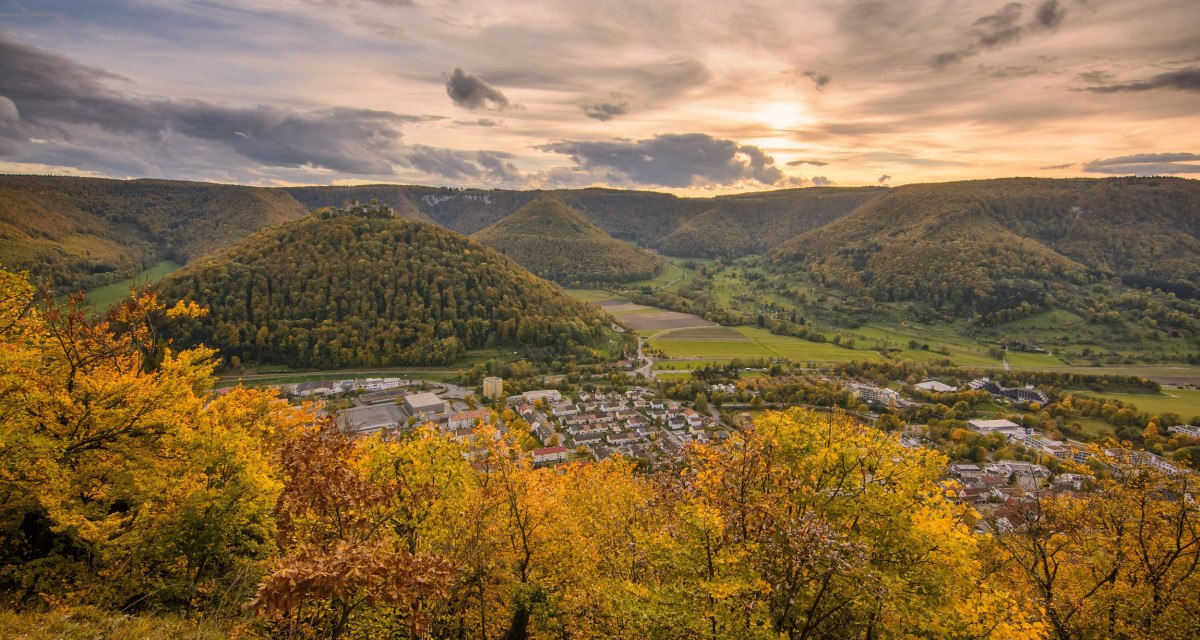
(424, 405)
(1008, 428)
(370, 418)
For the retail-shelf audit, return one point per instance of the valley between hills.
(1019, 341)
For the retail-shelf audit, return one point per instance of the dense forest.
(357, 291)
(81, 233)
(557, 243)
(128, 492)
(983, 246)
(756, 221)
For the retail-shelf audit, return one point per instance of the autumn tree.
(814, 526)
(1116, 562)
(122, 481)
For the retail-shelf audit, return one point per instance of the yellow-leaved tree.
(123, 483)
(1119, 561)
(816, 526)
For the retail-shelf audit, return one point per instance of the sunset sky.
(696, 96)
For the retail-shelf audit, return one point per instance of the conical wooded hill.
(558, 243)
(357, 291)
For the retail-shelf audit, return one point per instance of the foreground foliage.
(126, 488)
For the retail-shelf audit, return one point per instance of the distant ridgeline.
(966, 249)
(979, 246)
(339, 290)
(725, 226)
(82, 233)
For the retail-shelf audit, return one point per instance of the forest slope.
(755, 222)
(354, 291)
(558, 243)
(984, 245)
(81, 233)
(694, 227)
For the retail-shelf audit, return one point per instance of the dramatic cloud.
(1001, 28)
(674, 160)
(1146, 164)
(499, 166)
(819, 79)
(1182, 80)
(493, 167)
(605, 111)
(883, 178)
(61, 101)
(469, 91)
(234, 90)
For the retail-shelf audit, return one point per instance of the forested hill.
(982, 245)
(557, 243)
(755, 222)
(354, 291)
(698, 227)
(80, 233)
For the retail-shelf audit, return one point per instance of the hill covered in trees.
(81, 233)
(558, 243)
(984, 245)
(755, 222)
(357, 291)
(694, 227)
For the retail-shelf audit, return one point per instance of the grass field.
(593, 296)
(1095, 426)
(749, 342)
(104, 298)
(1048, 319)
(1033, 360)
(1184, 402)
(671, 277)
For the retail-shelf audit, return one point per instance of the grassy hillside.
(982, 246)
(82, 233)
(354, 291)
(559, 243)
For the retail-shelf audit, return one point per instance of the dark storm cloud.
(469, 91)
(1146, 164)
(1182, 80)
(1004, 27)
(821, 80)
(63, 101)
(605, 111)
(815, 163)
(674, 160)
